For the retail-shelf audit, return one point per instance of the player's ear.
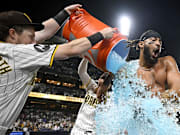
(141, 44)
(12, 34)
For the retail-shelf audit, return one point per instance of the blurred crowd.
(43, 120)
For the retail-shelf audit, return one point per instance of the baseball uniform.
(85, 122)
(18, 67)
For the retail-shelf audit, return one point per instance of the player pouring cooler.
(103, 54)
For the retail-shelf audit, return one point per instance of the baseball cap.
(11, 18)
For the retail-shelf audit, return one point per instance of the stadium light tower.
(124, 25)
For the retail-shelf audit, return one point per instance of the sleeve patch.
(41, 48)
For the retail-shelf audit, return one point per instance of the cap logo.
(27, 17)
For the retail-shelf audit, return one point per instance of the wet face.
(152, 49)
(26, 37)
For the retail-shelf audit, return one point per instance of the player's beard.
(148, 56)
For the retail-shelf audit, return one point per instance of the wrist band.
(95, 38)
(61, 17)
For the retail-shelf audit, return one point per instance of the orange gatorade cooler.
(107, 55)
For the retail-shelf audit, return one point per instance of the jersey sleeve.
(26, 56)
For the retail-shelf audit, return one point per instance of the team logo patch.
(41, 48)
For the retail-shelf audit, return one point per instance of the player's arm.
(173, 75)
(79, 46)
(52, 25)
(82, 71)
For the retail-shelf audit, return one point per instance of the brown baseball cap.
(12, 18)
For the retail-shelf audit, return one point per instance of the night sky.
(160, 15)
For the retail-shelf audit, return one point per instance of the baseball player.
(21, 57)
(95, 93)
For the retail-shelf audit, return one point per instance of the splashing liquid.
(131, 108)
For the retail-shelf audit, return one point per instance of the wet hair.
(147, 34)
(107, 77)
(133, 53)
(133, 43)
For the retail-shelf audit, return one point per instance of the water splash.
(114, 62)
(131, 108)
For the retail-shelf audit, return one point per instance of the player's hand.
(72, 8)
(108, 32)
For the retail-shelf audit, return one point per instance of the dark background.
(160, 15)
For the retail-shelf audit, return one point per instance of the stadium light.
(124, 25)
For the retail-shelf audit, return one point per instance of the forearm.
(83, 44)
(82, 68)
(82, 71)
(73, 48)
(50, 28)
(80, 46)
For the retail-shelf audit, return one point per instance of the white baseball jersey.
(85, 122)
(18, 67)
